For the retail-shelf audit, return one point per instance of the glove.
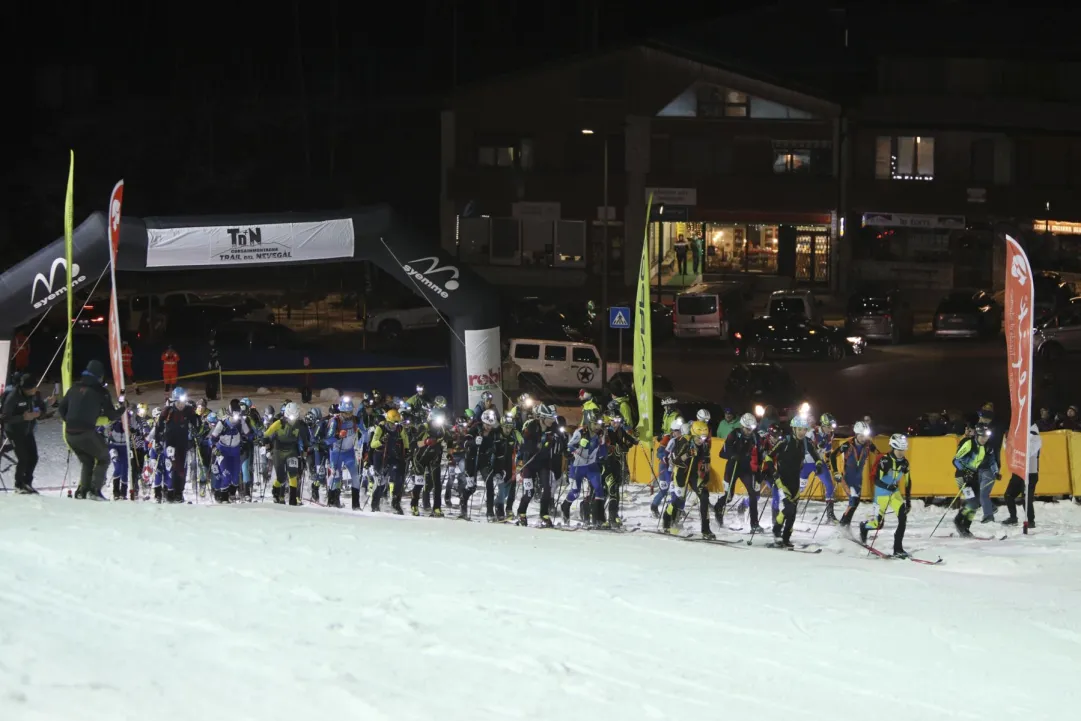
(959, 478)
(820, 469)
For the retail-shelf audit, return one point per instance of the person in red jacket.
(126, 356)
(21, 345)
(170, 362)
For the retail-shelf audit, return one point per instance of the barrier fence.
(930, 462)
(295, 373)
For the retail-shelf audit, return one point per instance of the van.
(794, 303)
(711, 311)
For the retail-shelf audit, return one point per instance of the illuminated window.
(906, 157)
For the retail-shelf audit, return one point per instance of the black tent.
(234, 241)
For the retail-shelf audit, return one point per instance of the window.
(505, 153)
(555, 352)
(584, 355)
(715, 102)
(527, 351)
(907, 157)
(792, 161)
(696, 304)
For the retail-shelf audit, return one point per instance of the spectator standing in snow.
(85, 402)
(1016, 487)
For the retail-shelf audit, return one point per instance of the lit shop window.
(904, 157)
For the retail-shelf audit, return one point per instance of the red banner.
(1018, 320)
(115, 357)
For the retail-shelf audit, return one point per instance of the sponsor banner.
(69, 273)
(248, 244)
(45, 289)
(483, 365)
(440, 279)
(643, 344)
(115, 358)
(1018, 314)
(5, 353)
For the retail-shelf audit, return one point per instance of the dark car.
(879, 315)
(1051, 293)
(967, 314)
(753, 385)
(794, 337)
(255, 336)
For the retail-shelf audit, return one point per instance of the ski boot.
(275, 492)
(718, 511)
(248, 491)
(777, 528)
(354, 498)
(565, 511)
(116, 489)
(708, 535)
(830, 517)
(437, 513)
(500, 514)
(396, 506)
(961, 524)
(846, 517)
(232, 494)
(1010, 522)
(899, 552)
(521, 520)
(546, 522)
(863, 533)
(293, 500)
(315, 493)
(655, 511)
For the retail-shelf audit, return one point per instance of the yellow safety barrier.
(930, 462)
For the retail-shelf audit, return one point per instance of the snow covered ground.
(256, 611)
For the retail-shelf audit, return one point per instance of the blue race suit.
(343, 433)
(227, 437)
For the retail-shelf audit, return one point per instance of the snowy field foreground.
(255, 611)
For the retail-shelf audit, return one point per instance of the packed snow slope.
(140, 611)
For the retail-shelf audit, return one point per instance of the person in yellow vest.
(290, 439)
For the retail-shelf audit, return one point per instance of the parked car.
(967, 314)
(255, 336)
(412, 313)
(794, 336)
(794, 303)
(879, 315)
(753, 386)
(1059, 335)
(547, 364)
(710, 311)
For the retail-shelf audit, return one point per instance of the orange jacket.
(169, 362)
(22, 350)
(126, 356)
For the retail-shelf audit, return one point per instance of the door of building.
(813, 257)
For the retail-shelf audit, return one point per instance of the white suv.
(559, 364)
(412, 314)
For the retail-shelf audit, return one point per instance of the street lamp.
(604, 266)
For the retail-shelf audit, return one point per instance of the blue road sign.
(619, 318)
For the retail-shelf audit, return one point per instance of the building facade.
(947, 156)
(542, 171)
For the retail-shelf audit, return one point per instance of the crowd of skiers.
(388, 449)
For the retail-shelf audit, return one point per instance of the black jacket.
(16, 403)
(84, 403)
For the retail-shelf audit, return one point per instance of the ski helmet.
(861, 429)
(212, 418)
(799, 422)
(614, 406)
(440, 402)
(584, 395)
(748, 421)
(245, 403)
(420, 388)
(486, 397)
(525, 400)
(178, 395)
(546, 411)
(489, 418)
(703, 415)
(155, 413)
(669, 401)
(676, 425)
(827, 421)
(140, 410)
(345, 406)
(616, 420)
(292, 411)
(393, 416)
(899, 442)
(699, 429)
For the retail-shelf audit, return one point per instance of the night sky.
(324, 104)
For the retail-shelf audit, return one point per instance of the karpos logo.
(1019, 270)
(50, 294)
(422, 275)
(485, 380)
(114, 216)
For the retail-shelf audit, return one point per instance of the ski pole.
(67, 468)
(948, 508)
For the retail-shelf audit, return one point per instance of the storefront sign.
(1058, 227)
(249, 244)
(549, 212)
(898, 220)
(674, 196)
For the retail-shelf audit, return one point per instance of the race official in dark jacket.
(22, 407)
(80, 408)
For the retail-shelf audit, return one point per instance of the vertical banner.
(1020, 298)
(643, 343)
(69, 212)
(483, 365)
(115, 357)
(5, 352)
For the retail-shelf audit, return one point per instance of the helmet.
(155, 413)
(748, 421)
(440, 402)
(140, 410)
(486, 397)
(776, 429)
(615, 419)
(614, 406)
(333, 409)
(178, 395)
(508, 420)
(292, 411)
(437, 418)
(862, 429)
(489, 417)
(899, 441)
(828, 420)
(345, 406)
(703, 415)
(212, 418)
(584, 395)
(315, 413)
(377, 395)
(420, 388)
(677, 424)
(983, 430)
(669, 401)
(268, 411)
(525, 400)
(699, 428)
(799, 422)
(546, 411)
(469, 414)
(234, 406)
(596, 422)
(393, 416)
(729, 412)
(686, 429)
(245, 402)
(404, 407)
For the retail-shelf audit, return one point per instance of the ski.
(887, 556)
(800, 548)
(683, 535)
(734, 543)
(979, 538)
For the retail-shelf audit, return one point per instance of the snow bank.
(262, 391)
(330, 395)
